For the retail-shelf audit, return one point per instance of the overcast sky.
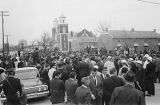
(30, 18)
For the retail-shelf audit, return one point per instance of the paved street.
(154, 100)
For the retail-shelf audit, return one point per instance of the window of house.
(64, 30)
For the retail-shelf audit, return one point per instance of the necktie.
(95, 81)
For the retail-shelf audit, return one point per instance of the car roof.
(25, 68)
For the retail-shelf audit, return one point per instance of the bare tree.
(34, 43)
(45, 40)
(103, 27)
(22, 44)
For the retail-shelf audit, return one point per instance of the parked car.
(34, 88)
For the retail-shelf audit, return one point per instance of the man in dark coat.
(21, 63)
(36, 58)
(96, 86)
(44, 75)
(71, 86)
(64, 75)
(83, 70)
(157, 71)
(69, 67)
(100, 65)
(140, 76)
(83, 93)
(127, 95)
(104, 75)
(110, 84)
(150, 75)
(12, 88)
(57, 89)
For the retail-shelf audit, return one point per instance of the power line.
(149, 2)
(2, 14)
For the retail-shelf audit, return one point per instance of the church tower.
(60, 33)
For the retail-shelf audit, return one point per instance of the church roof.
(133, 34)
(85, 32)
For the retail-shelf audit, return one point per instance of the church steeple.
(62, 19)
(60, 33)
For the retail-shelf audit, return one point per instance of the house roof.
(85, 32)
(133, 34)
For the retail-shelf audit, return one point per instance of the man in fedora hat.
(128, 94)
(110, 83)
(12, 88)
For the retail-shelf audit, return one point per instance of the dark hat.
(60, 64)
(10, 70)
(130, 76)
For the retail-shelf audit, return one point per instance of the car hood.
(31, 82)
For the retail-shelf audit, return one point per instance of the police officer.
(12, 88)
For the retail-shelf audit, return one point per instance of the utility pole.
(7, 43)
(2, 14)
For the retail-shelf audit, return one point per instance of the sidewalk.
(154, 100)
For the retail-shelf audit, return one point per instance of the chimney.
(154, 30)
(132, 29)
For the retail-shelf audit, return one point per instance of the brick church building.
(71, 41)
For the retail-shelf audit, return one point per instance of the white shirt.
(145, 64)
(95, 79)
(50, 73)
(103, 76)
(84, 86)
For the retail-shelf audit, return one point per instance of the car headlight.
(39, 89)
(45, 88)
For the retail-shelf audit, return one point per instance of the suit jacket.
(96, 89)
(103, 78)
(69, 68)
(157, 63)
(150, 70)
(71, 86)
(57, 91)
(10, 87)
(141, 78)
(83, 96)
(110, 84)
(127, 95)
(83, 69)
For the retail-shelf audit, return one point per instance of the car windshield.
(26, 74)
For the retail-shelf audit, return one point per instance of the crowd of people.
(86, 78)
